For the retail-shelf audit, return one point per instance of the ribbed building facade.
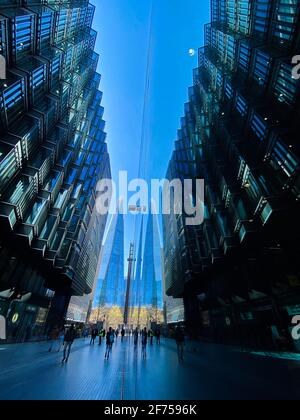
(239, 271)
(52, 154)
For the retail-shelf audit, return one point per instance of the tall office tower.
(112, 284)
(137, 286)
(239, 271)
(152, 266)
(52, 154)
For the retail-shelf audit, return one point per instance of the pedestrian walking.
(100, 337)
(158, 335)
(136, 338)
(180, 341)
(122, 334)
(150, 335)
(109, 343)
(94, 335)
(144, 343)
(68, 342)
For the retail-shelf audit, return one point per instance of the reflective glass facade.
(111, 287)
(136, 292)
(239, 271)
(52, 154)
(151, 294)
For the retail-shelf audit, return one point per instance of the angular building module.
(52, 154)
(239, 271)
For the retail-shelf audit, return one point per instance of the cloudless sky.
(123, 28)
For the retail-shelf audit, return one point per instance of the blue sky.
(122, 43)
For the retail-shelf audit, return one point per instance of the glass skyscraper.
(239, 272)
(137, 281)
(52, 154)
(151, 293)
(111, 286)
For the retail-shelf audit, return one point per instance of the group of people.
(101, 334)
(65, 338)
(111, 335)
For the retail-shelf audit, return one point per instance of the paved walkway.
(28, 371)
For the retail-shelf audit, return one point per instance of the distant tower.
(137, 289)
(152, 266)
(111, 287)
(131, 261)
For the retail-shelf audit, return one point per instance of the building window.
(241, 105)
(259, 126)
(285, 86)
(286, 18)
(261, 68)
(38, 84)
(283, 158)
(48, 227)
(10, 161)
(23, 36)
(13, 101)
(244, 56)
(261, 16)
(61, 26)
(45, 29)
(35, 211)
(229, 92)
(61, 199)
(57, 240)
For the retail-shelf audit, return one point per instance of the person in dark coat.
(95, 333)
(110, 337)
(144, 343)
(70, 336)
(136, 338)
(158, 335)
(122, 334)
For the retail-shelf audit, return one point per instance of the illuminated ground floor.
(137, 317)
(28, 371)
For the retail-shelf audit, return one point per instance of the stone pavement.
(29, 372)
